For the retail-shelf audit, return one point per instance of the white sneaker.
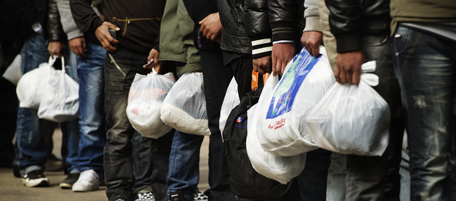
(88, 181)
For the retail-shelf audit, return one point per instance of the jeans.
(312, 180)
(365, 175)
(92, 128)
(184, 158)
(183, 174)
(426, 68)
(31, 152)
(150, 167)
(242, 70)
(120, 70)
(216, 81)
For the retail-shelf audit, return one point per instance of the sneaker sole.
(42, 183)
(65, 186)
(94, 188)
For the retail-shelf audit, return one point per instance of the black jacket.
(198, 10)
(234, 38)
(138, 20)
(18, 16)
(349, 20)
(267, 21)
(54, 27)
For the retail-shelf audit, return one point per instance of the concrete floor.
(12, 189)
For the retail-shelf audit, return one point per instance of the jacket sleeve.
(85, 17)
(256, 21)
(282, 18)
(68, 24)
(345, 24)
(54, 27)
(312, 16)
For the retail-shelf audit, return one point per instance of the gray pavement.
(12, 189)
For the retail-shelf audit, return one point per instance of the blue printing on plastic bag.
(303, 63)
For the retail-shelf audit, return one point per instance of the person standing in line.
(31, 147)
(137, 27)
(424, 52)
(91, 137)
(361, 29)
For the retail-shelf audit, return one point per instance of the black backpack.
(245, 181)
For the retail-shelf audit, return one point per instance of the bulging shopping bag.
(145, 100)
(30, 87)
(284, 109)
(352, 119)
(60, 99)
(280, 168)
(184, 108)
(229, 102)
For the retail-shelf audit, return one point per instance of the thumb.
(114, 27)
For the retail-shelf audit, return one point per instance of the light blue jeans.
(92, 127)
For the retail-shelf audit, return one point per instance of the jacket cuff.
(313, 24)
(97, 22)
(348, 42)
(282, 31)
(261, 46)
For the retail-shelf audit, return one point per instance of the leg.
(30, 142)
(242, 70)
(92, 127)
(216, 81)
(366, 174)
(312, 180)
(426, 69)
(119, 73)
(183, 174)
(337, 172)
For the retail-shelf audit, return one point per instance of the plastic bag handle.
(369, 78)
(52, 60)
(153, 71)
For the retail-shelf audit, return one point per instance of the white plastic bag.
(284, 109)
(184, 108)
(13, 72)
(60, 98)
(352, 119)
(30, 87)
(145, 99)
(230, 101)
(279, 168)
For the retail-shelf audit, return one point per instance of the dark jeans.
(365, 178)
(426, 68)
(312, 180)
(151, 158)
(216, 81)
(119, 73)
(242, 70)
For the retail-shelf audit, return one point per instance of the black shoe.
(69, 181)
(35, 178)
(176, 196)
(16, 172)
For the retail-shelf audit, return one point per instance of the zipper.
(117, 66)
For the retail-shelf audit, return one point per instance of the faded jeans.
(119, 73)
(92, 131)
(426, 68)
